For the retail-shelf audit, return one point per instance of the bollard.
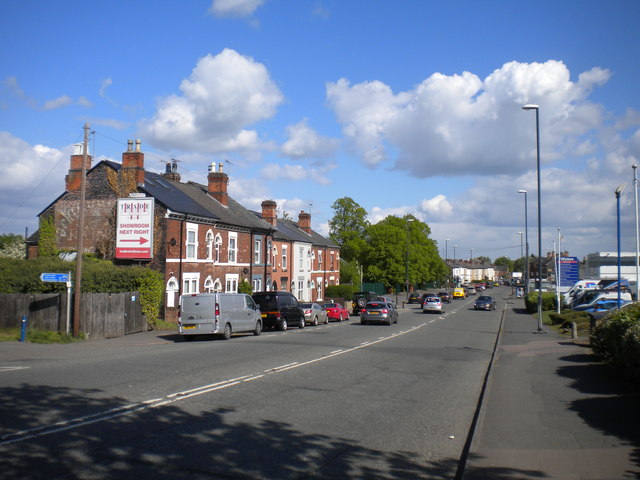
(574, 330)
(23, 329)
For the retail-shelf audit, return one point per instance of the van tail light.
(217, 313)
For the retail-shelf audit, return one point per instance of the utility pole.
(77, 290)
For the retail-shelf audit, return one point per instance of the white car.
(432, 303)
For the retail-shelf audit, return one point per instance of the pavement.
(552, 410)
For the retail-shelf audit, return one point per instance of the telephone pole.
(76, 298)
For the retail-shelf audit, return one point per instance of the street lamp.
(618, 193)
(526, 236)
(409, 220)
(635, 191)
(537, 109)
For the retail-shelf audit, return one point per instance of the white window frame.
(301, 259)
(275, 259)
(190, 283)
(256, 283)
(300, 294)
(192, 241)
(233, 250)
(285, 255)
(257, 250)
(209, 242)
(231, 282)
(217, 248)
(172, 288)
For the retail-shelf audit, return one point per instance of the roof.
(289, 230)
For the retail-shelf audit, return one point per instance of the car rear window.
(376, 305)
(266, 302)
(432, 299)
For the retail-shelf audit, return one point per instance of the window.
(217, 286)
(257, 284)
(192, 241)
(257, 250)
(274, 262)
(300, 259)
(232, 283)
(300, 294)
(208, 285)
(268, 249)
(209, 245)
(190, 282)
(331, 265)
(233, 246)
(172, 289)
(218, 247)
(285, 250)
(319, 259)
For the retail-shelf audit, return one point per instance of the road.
(333, 401)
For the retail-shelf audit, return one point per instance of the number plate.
(187, 327)
(374, 313)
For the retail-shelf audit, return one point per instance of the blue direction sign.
(54, 277)
(569, 271)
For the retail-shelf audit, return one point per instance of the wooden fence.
(102, 315)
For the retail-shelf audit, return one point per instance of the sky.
(407, 107)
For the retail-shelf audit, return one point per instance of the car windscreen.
(305, 305)
(329, 305)
(484, 299)
(432, 299)
(376, 305)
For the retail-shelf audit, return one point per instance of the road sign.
(569, 271)
(134, 233)
(54, 277)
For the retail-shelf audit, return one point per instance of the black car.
(279, 309)
(484, 302)
(445, 297)
(360, 299)
(414, 298)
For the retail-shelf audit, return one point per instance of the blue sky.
(407, 106)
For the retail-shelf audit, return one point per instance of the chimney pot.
(129, 145)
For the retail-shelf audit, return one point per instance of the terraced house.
(199, 237)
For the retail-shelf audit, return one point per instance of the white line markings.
(23, 435)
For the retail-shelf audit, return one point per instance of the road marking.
(10, 369)
(130, 409)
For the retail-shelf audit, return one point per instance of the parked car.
(379, 312)
(280, 309)
(314, 313)
(602, 304)
(360, 299)
(336, 311)
(218, 313)
(414, 297)
(445, 297)
(485, 302)
(459, 293)
(433, 304)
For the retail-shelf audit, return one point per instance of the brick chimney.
(74, 177)
(304, 221)
(171, 170)
(269, 212)
(218, 183)
(133, 161)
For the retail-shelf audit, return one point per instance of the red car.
(336, 311)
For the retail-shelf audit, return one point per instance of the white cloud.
(304, 142)
(462, 125)
(295, 173)
(234, 8)
(59, 102)
(224, 94)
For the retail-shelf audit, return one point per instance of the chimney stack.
(133, 161)
(171, 170)
(304, 221)
(218, 183)
(74, 177)
(269, 212)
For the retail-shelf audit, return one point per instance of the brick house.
(203, 240)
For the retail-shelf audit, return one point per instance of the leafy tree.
(347, 227)
(482, 259)
(12, 246)
(506, 262)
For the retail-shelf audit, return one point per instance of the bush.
(566, 317)
(616, 340)
(549, 301)
(340, 291)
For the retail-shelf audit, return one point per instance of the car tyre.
(315, 321)
(258, 330)
(326, 320)
(226, 334)
(283, 325)
(302, 323)
(340, 318)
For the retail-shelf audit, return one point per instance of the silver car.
(314, 313)
(379, 312)
(433, 303)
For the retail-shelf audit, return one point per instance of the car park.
(459, 293)
(279, 309)
(414, 297)
(336, 311)
(445, 297)
(314, 313)
(433, 304)
(219, 314)
(378, 312)
(485, 302)
(360, 299)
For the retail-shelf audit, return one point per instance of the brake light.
(364, 310)
(307, 312)
(217, 310)
(384, 310)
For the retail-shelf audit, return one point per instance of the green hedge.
(566, 317)
(549, 301)
(616, 340)
(100, 276)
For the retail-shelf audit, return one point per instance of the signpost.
(569, 271)
(134, 229)
(61, 277)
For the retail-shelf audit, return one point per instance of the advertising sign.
(569, 271)
(134, 229)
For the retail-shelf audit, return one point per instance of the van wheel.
(315, 321)
(227, 331)
(258, 329)
(283, 325)
(302, 323)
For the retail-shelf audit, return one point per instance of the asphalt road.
(333, 401)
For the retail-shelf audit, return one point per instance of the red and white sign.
(134, 234)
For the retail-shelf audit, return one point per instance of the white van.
(218, 313)
(578, 288)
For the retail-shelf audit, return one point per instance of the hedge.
(549, 301)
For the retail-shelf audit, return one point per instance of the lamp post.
(446, 258)
(618, 193)
(635, 191)
(409, 220)
(521, 245)
(537, 110)
(526, 236)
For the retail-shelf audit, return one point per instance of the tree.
(347, 228)
(12, 246)
(506, 262)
